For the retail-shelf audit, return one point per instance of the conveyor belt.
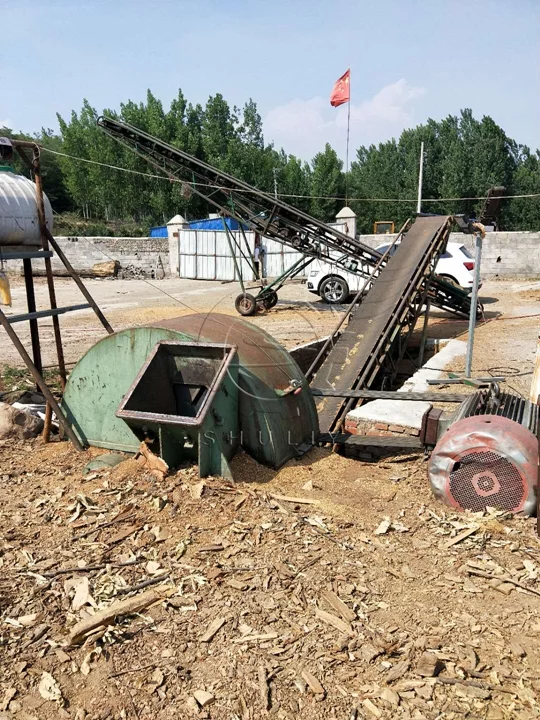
(380, 326)
(264, 214)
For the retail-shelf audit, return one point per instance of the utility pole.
(420, 178)
(474, 300)
(275, 172)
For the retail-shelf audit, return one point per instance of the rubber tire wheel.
(245, 304)
(270, 299)
(337, 283)
(479, 311)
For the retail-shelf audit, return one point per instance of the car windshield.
(383, 248)
(446, 255)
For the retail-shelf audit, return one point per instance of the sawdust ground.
(409, 593)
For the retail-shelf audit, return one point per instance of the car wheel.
(334, 290)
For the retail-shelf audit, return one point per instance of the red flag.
(341, 92)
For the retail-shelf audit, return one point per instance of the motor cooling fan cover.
(486, 460)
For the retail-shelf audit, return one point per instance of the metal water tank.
(19, 223)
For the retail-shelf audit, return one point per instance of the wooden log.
(108, 615)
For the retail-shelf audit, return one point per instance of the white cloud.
(302, 127)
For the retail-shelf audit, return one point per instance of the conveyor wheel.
(246, 304)
(270, 299)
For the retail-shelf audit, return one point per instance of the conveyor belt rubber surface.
(392, 305)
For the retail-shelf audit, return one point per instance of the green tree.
(327, 183)
(294, 178)
(218, 130)
(524, 213)
(51, 170)
(463, 158)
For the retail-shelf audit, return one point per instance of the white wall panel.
(206, 267)
(273, 264)
(188, 266)
(206, 242)
(224, 268)
(187, 242)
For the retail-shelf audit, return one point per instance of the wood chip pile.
(336, 590)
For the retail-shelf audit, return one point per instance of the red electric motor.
(486, 460)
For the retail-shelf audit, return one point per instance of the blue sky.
(409, 60)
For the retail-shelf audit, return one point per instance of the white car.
(335, 285)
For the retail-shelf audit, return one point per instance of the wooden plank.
(462, 536)
(314, 685)
(263, 687)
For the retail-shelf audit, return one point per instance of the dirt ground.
(298, 318)
(332, 588)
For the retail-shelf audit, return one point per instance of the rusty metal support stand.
(47, 240)
(47, 423)
(36, 167)
(48, 266)
(40, 382)
(31, 302)
(58, 250)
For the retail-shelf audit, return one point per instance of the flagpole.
(347, 153)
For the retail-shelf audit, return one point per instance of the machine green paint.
(268, 404)
(99, 381)
(185, 401)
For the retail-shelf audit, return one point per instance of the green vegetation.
(17, 378)
(464, 157)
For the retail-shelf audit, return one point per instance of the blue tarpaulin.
(158, 231)
(204, 224)
(215, 224)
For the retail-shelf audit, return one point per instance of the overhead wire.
(181, 302)
(283, 195)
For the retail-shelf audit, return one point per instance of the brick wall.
(504, 254)
(136, 256)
